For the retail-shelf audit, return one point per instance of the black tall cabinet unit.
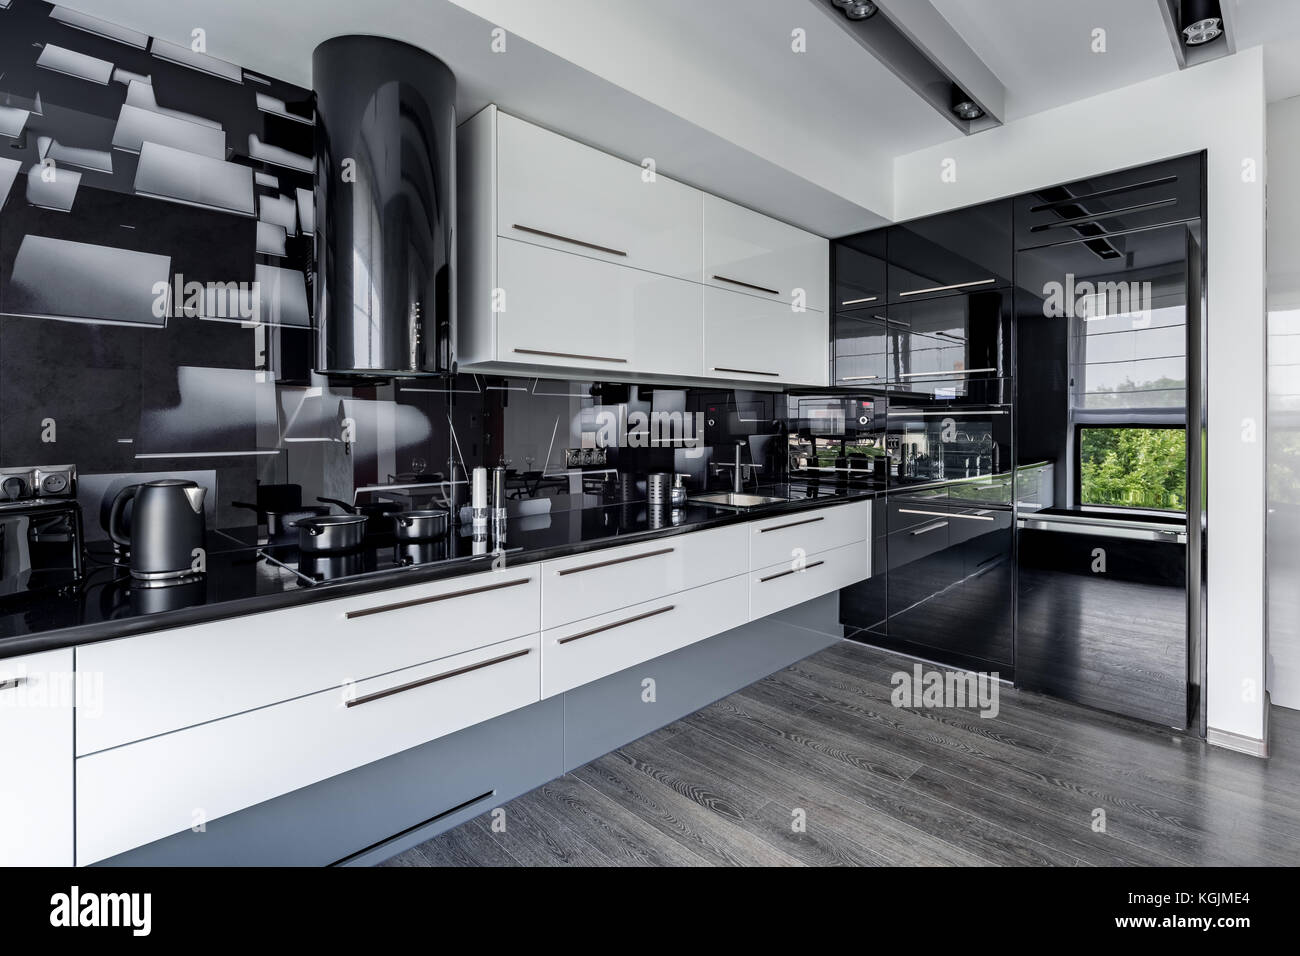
(1003, 339)
(934, 338)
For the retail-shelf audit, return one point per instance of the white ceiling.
(711, 89)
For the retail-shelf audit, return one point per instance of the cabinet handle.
(792, 524)
(745, 371)
(612, 561)
(956, 373)
(856, 378)
(424, 682)
(576, 242)
(870, 298)
(610, 627)
(572, 355)
(781, 574)
(12, 682)
(934, 526)
(748, 285)
(945, 514)
(946, 288)
(366, 612)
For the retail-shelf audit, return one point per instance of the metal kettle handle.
(116, 529)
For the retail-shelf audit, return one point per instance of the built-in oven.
(838, 438)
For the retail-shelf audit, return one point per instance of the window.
(1133, 466)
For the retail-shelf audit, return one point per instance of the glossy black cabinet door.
(864, 350)
(946, 342)
(859, 271)
(966, 250)
(1103, 618)
(1154, 195)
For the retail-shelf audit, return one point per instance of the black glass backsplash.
(144, 188)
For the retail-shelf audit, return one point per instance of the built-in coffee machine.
(40, 530)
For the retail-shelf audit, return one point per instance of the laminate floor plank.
(813, 765)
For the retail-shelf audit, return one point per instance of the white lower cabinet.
(790, 536)
(792, 582)
(579, 653)
(586, 585)
(36, 702)
(133, 795)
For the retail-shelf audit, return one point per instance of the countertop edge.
(71, 637)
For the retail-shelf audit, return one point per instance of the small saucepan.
(330, 533)
(420, 525)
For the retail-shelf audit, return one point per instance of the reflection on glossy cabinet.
(748, 339)
(967, 250)
(864, 348)
(745, 251)
(859, 266)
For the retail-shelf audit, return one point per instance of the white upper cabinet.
(554, 192)
(645, 323)
(572, 262)
(749, 340)
(747, 252)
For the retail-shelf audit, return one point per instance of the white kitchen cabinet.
(167, 680)
(132, 795)
(788, 537)
(584, 585)
(751, 339)
(577, 654)
(789, 583)
(572, 263)
(36, 812)
(569, 311)
(745, 251)
(555, 192)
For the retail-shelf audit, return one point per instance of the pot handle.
(403, 522)
(116, 529)
(312, 530)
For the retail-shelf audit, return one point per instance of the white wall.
(1219, 107)
(1284, 405)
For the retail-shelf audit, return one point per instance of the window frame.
(1080, 427)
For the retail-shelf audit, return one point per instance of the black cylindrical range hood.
(385, 209)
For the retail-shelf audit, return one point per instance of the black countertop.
(245, 576)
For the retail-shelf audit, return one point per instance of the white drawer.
(556, 192)
(589, 584)
(579, 653)
(749, 339)
(787, 537)
(36, 702)
(783, 585)
(144, 791)
(159, 682)
(747, 252)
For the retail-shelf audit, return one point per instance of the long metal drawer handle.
(955, 373)
(366, 612)
(945, 514)
(870, 298)
(745, 371)
(933, 526)
(748, 285)
(781, 574)
(568, 239)
(1108, 214)
(946, 288)
(856, 378)
(610, 627)
(424, 682)
(12, 683)
(792, 524)
(572, 355)
(613, 561)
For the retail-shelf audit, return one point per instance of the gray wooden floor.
(874, 784)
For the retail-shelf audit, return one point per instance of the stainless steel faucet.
(739, 472)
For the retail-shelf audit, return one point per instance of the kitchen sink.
(730, 499)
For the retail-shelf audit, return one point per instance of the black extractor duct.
(385, 209)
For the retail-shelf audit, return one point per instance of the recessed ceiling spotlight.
(1202, 21)
(963, 107)
(857, 9)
